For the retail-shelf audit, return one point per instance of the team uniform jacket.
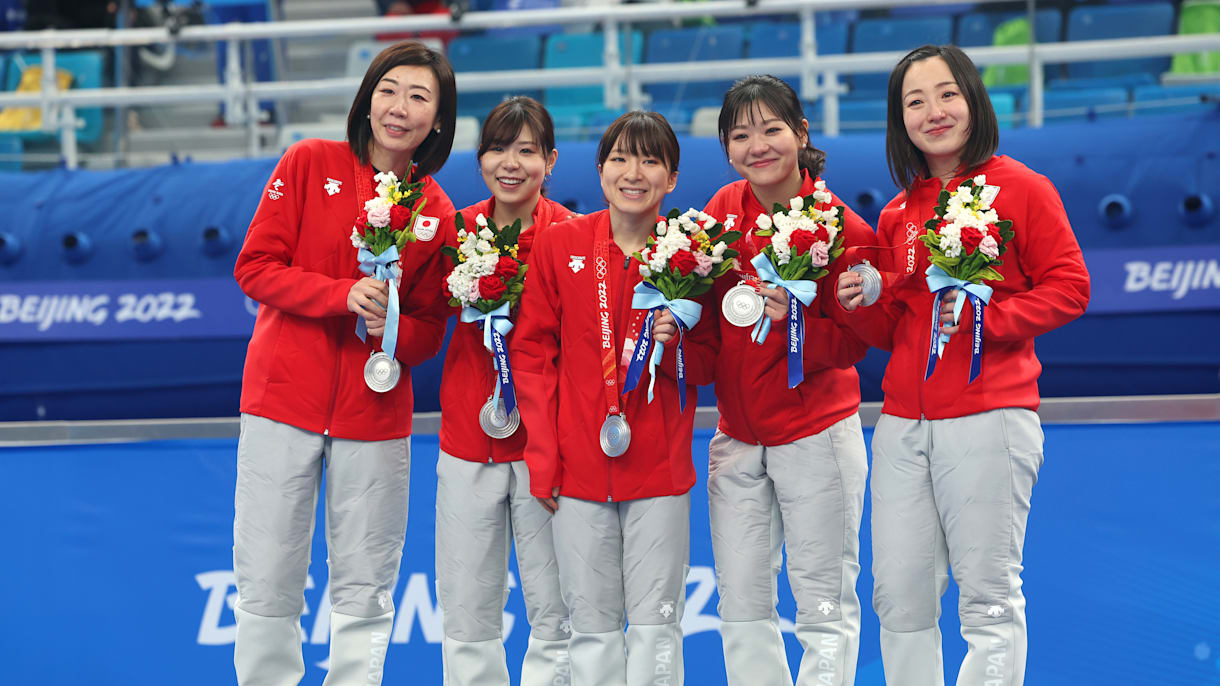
(556, 358)
(305, 364)
(469, 379)
(1045, 286)
(756, 406)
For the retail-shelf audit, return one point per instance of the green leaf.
(1004, 224)
(988, 274)
(943, 198)
(729, 254)
(732, 236)
(454, 302)
(715, 230)
(931, 224)
(673, 214)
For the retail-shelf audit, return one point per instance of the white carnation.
(797, 204)
(357, 241)
(481, 220)
(763, 222)
(486, 234)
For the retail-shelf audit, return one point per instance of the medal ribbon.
(605, 317)
(979, 295)
(382, 267)
(495, 326)
(798, 290)
(686, 313)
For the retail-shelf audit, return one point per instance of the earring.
(437, 129)
(369, 117)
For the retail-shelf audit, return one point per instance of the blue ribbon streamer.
(379, 267)
(801, 290)
(686, 313)
(940, 283)
(495, 326)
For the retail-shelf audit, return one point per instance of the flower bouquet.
(966, 239)
(486, 281)
(381, 231)
(802, 240)
(682, 258)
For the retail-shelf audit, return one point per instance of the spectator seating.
(704, 44)
(1120, 21)
(887, 35)
(1193, 98)
(570, 50)
(1084, 104)
(86, 69)
(481, 53)
(1196, 18)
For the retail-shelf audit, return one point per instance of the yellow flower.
(461, 257)
(513, 251)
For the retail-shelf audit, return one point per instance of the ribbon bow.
(381, 267)
(495, 326)
(940, 283)
(801, 290)
(686, 313)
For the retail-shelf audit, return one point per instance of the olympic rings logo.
(600, 268)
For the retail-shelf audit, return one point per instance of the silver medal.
(870, 282)
(742, 305)
(615, 435)
(381, 372)
(495, 421)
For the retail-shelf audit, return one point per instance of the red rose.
(695, 245)
(506, 268)
(684, 262)
(399, 216)
(801, 240)
(491, 288)
(971, 237)
(821, 234)
(994, 233)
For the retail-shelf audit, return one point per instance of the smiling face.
(402, 113)
(765, 150)
(514, 172)
(935, 114)
(635, 183)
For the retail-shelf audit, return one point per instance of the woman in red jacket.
(483, 501)
(787, 466)
(955, 458)
(621, 524)
(306, 408)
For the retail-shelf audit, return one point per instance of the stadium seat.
(569, 50)
(1015, 31)
(1196, 18)
(1192, 99)
(1005, 106)
(10, 152)
(706, 123)
(861, 116)
(466, 133)
(86, 69)
(692, 45)
(334, 130)
(361, 53)
(536, 30)
(1120, 21)
(568, 126)
(977, 29)
(480, 53)
(1084, 104)
(888, 35)
(783, 39)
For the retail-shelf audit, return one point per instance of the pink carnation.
(705, 264)
(989, 247)
(379, 216)
(819, 255)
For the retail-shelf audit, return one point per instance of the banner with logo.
(118, 568)
(1154, 279)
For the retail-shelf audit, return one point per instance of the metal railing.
(621, 80)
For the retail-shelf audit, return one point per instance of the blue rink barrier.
(118, 567)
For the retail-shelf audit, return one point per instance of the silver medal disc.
(742, 305)
(615, 435)
(495, 421)
(381, 372)
(870, 283)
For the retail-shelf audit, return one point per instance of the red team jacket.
(304, 365)
(1045, 286)
(556, 357)
(468, 379)
(756, 406)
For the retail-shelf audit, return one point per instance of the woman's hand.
(947, 326)
(850, 290)
(664, 327)
(775, 302)
(368, 298)
(552, 503)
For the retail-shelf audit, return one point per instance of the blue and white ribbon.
(495, 326)
(940, 283)
(800, 290)
(686, 313)
(381, 267)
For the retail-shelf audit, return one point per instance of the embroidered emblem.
(577, 263)
(826, 607)
(425, 227)
(274, 192)
(995, 611)
(332, 186)
(729, 221)
(383, 600)
(667, 608)
(565, 625)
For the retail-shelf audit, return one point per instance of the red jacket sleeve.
(875, 324)
(1050, 256)
(265, 268)
(829, 343)
(423, 298)
(535, 361)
